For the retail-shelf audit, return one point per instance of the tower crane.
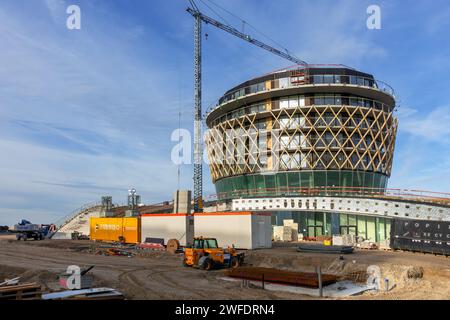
(198, 151)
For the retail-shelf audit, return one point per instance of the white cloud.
(433, 126)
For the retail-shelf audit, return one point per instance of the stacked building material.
(292, 228)
(302, 279)
(287, 233)
(277, 233)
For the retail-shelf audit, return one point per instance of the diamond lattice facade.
(327, 128)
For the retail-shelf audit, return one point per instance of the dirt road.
(159, 275)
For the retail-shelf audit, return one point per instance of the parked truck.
(26, 230)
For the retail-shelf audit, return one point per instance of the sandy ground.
(159, 275)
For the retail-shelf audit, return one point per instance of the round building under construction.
(294, 130)
(305, 131)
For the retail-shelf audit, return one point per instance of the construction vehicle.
(26, 230)
(205, 254)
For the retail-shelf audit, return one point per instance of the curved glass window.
(300, 183)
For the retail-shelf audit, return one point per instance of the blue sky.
(89, 112)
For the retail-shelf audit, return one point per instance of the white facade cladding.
(244, 230)
(357, 206)
(168, 226)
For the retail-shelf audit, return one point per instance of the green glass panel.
(320, 178)
(346, 179)
(376, 182)
(358, 179)
(371, 229)
(381, 231)
(362, 227)
(274, 219)
(383, 182)
(368, 180)
(259, 182)
(250, 180)
(281, 182)
(219, 188)
(333, 179)
(327, 222)
(311, 219)
(270, 183)
(307, 180)
(302, 223)
(319, 219)
(293, 181)
(319, 231)
(238, 183)
(351, 220)
(352, 230)
(343, 219)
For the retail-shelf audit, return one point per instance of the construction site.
(300, 159)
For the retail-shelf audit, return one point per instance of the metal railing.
(72, 215)
(315, 103)
(319, 79)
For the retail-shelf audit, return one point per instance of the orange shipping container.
(114, 229)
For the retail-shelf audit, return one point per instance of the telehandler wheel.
(234, 262)
(207, 264)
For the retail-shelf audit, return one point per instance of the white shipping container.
(244, 230)
(167, 226)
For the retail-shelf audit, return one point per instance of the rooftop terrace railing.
(298, 81)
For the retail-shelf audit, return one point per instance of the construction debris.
(415, 273)
(85, 294)
(114, 252)
(303, 279)
(10, 282)
(367, 245)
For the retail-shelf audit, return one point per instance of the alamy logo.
(74, 280)
(73, 22)
(374, 20)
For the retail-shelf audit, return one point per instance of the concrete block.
(182, 201)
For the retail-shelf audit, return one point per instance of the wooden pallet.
(367, 248)
(25, 291)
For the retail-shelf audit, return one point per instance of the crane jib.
(244, 36)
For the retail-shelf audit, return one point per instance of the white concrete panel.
(359, 206)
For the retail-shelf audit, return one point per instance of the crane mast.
(198, 151)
